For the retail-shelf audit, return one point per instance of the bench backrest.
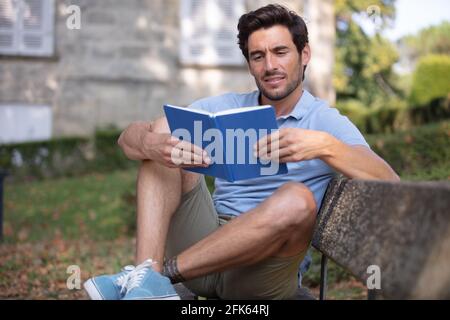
(402, 228)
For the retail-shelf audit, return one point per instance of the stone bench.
(403, 229)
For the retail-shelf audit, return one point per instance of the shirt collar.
(300, 108)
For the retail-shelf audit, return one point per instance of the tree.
(363, 69)
(431, 40)
(431, 79)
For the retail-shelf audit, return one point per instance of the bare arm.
(131, 140)
(358, 162)
(153, 141)
(293, 144)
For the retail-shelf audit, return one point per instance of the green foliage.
(381, 118)
(108, 154)
(363, 68)
(393, 114)
(431, 40)
(431, 79)
(64, 157)
(345, 8)
(422, 151)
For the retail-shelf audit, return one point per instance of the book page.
(221, 113)
(191, 110)
(239, 110)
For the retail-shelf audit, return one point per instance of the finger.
(266, 141)
(185, 157)
(290, 158)
(266, 151)
(274, 147)
(277, 155)
(185, 145)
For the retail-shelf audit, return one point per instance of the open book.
(228, 137)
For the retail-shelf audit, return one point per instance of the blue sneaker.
(108, 287)
(144, 283)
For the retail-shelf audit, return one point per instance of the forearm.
(130, 141)
(357, 161)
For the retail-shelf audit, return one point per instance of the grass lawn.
(50, 225)
(89, 221)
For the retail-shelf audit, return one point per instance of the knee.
(294, 206)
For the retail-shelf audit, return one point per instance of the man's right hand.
(172, 152)
(152, 141)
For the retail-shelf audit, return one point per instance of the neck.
(285, 105)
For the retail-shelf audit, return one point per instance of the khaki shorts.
(195, 218)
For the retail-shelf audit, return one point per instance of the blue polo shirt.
(234, 198)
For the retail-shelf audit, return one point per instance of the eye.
(257, 57)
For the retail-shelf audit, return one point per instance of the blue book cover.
(228, 138)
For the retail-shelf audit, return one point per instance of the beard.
(279, 95)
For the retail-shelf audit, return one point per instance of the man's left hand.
(293, 144)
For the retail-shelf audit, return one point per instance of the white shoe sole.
(159, 298)
(92, 290)
(95, 294)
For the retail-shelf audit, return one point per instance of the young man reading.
(247, 241)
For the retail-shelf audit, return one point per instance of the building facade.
(122, 60)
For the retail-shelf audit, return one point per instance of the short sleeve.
(199, 105)
(223, 102)
(211, 104)
(340, 127)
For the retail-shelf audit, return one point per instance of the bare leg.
(281, 226)
(159, 191)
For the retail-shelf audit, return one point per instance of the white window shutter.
(226, 41)
(8, 27)
(36, 30)
(209, 32)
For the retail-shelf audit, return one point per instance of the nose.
(271, 63)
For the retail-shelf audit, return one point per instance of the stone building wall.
(123, 65)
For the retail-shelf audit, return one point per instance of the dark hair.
(269, 16)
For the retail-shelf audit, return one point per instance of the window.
(209, 32)
(22, 123)
(27, 27)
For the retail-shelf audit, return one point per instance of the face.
(275, 62)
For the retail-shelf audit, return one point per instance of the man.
(248, 240)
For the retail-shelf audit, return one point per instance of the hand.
(172, 152)
(293, 145)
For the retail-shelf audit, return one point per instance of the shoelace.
(121, 280)
(133, 278)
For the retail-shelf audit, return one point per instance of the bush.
(64, 156)
(437, 110)
(108, 155)
(431, 80)
(57, 157)
(384, 117)
(413, 151)
(393, 114)
(388, 116)
(355, 111)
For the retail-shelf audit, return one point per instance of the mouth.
(274, 80)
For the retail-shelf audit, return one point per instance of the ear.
(306, 54)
